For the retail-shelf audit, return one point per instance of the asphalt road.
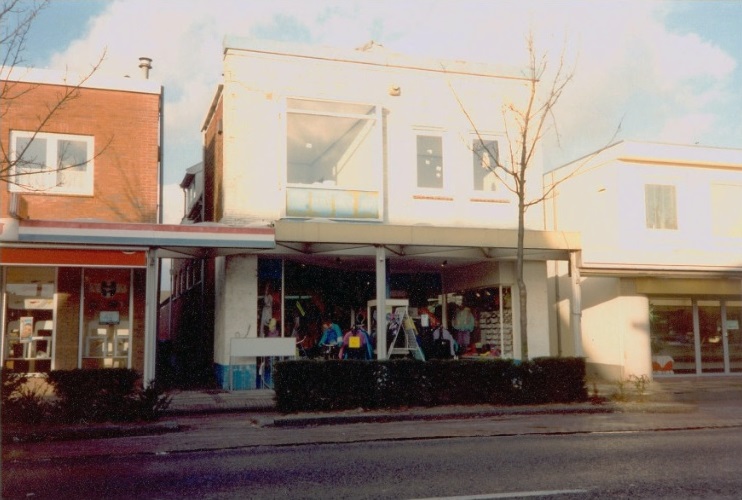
(701, 463)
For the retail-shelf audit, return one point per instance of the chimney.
(145, 63)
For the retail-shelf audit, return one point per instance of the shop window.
(661, 206)
(333, 160)
(485, 156)
(481, 321)
(29, 315)
(429, 161)
(107, 325)
(54, 163)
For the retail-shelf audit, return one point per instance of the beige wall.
(236, 302)
(254, 118)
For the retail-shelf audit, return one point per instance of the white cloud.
(628, 65)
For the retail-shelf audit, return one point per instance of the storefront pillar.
(576, 304)
(381, 287)
(150, 317)
(236, 317)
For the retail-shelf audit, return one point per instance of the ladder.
(403, 324)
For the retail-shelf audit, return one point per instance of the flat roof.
(97, 80)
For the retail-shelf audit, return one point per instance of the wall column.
(236, 307)
(576, 304)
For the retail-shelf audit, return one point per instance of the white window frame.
(372, 184)
(51, 179)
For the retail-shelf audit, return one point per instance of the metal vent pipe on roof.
(145, 63)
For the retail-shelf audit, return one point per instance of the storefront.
(692, 335)
(58, 314)
(85, 294)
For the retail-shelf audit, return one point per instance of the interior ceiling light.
(308, 145)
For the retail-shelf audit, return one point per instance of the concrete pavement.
(213, 420)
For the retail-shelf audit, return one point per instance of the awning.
(170, 240)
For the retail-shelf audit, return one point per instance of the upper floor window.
(726, 218)
(429, 161)
(330, 143)
(54, 163)
(334, 160)
(661, 206)
(485, 155)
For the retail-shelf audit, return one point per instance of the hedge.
(314, 385)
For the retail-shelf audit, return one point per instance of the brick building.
(80, 239)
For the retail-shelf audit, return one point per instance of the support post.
(381, 347)
(150, 317)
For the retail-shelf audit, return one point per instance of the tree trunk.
(522, 292)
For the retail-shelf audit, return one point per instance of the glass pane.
(485, 154)
(29, 314)
(712, 347)
(660, 207)
(671, 334)
(330, 151)
(734, 335)
(330, 107)
(429, 161)
(30, 154)
(726, 221)
(72, 155)
(107, 325)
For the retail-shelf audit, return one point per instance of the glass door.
(106, 335)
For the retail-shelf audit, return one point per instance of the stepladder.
(403, 335)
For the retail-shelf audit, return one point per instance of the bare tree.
(18, 166)
(527, 123)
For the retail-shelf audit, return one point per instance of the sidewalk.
(661, 393)
(211, 420)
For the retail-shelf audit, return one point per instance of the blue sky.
(668, 71)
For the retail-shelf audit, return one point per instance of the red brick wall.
(126, 130)
(213, 164)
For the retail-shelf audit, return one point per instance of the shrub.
(21, 402)
(106, 394)
(310, 385)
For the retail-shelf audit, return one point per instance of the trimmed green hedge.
(312, 385)
(105, 394)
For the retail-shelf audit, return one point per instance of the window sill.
(489, 200)
(431, 197)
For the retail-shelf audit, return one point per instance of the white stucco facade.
(359, 157)
(661, 227)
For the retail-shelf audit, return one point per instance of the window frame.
(475, 141)
(52, 148)
(656, 219)
(331, 199)
(441, 136)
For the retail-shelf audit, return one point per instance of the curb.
(93, 431)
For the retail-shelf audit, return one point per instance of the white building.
(376, 184)
(661, 262)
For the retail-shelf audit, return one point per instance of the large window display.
(695, 336)
(107, 327)
(29, 319)
(481, 321)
